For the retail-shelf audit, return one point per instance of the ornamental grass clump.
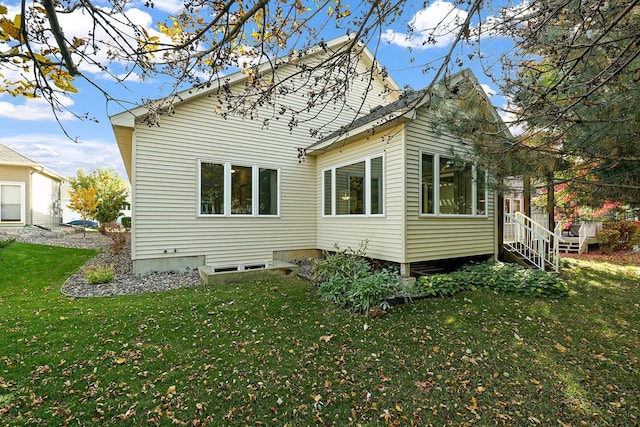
(96, 274)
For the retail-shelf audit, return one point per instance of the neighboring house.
(225, 192)
(69, 214)
(29, 192)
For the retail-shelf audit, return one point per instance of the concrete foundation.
(178, 264)
(222, 274)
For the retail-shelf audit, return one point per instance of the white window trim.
(23, 202)
(367, 187)
(436, 190)
(255, 190)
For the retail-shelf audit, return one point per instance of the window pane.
(481, 181)
(455, 187)
(211, 188)
(268, 197)
(241, 190)
(427, 184)
(327, 192)
(350, 189)
(10, 202)
(376, 186)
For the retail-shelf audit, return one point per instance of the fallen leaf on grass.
(560, 348)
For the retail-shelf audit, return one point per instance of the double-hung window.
(451, 187)
(228, 189)
(354, 189)
(12, 202)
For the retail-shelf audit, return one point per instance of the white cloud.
(435, 26)
(34, 109)
(65, 156)
(169, 6)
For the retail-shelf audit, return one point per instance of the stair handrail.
(582, 237)
(538, 244)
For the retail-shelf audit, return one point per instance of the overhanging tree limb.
(56, 30)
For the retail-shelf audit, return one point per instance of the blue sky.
(30, 127)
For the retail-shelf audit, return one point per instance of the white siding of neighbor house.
(44, 195)
(385, 235)
(440, 237)
(166, 220)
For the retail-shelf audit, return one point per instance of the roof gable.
(9, 156)
(127, 118)
(402, 110)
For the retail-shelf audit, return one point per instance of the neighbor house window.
(12, 201)
(228, 190)
(355, 188)
(451, 187)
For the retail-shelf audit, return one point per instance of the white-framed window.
(231, 189)
(355, 188)
(449, 186)
(12, 202)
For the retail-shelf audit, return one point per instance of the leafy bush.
(99, 274)
(126, 222)
(336, 288)
(116, 233)
(346, 278)
(373, 290)
(437, 285)
(345, 262)
(608, 240)
(497, 276)
(618, 236)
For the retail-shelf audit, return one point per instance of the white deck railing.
(534, 242)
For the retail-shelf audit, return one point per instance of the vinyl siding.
(440, 237)
(165, 181)
(44, 195)
(18, 174)
(385, 235)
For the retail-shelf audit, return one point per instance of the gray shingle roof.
(7, 155)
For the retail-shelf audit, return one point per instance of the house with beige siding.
(29, 192)
(229, 192)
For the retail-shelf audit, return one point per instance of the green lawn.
(271, 353)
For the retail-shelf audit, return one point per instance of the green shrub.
(373, 290)
(497, 276)
(608, 240)
(346, 278)
(95, 274)
(336, 288)
(618, 236)
(437, 285)
(345, 262)
(126, 222)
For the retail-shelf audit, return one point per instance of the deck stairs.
(531, 243)
(580, 236)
